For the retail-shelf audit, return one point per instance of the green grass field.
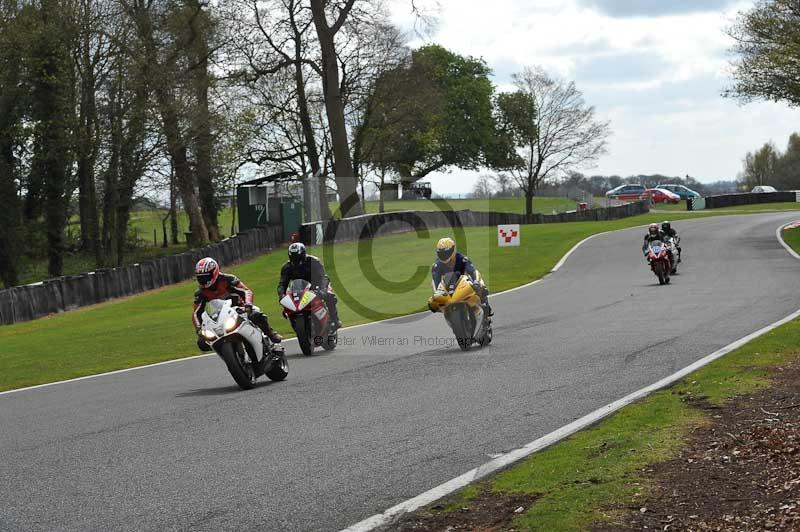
(587, 477)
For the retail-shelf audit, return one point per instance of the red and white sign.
(508, 235)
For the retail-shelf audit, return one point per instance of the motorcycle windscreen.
(655, 247)
(214, 307)
(450, 281)
(298, 285)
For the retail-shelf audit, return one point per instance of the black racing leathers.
(312, 270)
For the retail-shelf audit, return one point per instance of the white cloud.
(655, 70)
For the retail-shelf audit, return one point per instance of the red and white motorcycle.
(659, 260)
(309, 316)
(245, 349)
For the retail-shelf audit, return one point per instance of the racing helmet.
(653, 229)
(297, 253)
(446, 250)
(666, 226)
(206, 271)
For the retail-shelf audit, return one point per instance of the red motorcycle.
(309, 316)
(660, 264)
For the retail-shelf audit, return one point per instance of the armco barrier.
(23, 303)
(732, 200)
(373, 225)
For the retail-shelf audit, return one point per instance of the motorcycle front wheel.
(300, 326)
(241, 371)
(459, 322)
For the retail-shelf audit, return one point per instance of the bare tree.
(553, 129)
(482, 189)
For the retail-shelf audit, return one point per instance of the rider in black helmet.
(668, 230)
(301, 265)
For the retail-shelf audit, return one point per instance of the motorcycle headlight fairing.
(231, 323)
(208, 335)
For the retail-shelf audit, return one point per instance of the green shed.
(271, 201)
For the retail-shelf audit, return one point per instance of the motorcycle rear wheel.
(241, 371)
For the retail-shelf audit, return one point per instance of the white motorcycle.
(672, 246)
(243, 347)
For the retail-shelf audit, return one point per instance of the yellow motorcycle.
(461, 305)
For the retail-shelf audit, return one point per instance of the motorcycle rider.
(301, 265)
(449, 260)
(668, 230)
(217, 285)
(653, 233)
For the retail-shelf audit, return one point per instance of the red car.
(660, 195)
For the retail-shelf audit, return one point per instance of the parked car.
(763, 188)
(680, 190)
(626, 192)
(660, 195)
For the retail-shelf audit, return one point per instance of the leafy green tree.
(433, 112)
(760, 167)
(767, 43)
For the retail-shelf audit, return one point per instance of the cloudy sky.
(654, 68)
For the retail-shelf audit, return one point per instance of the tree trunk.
(54, 105)
(176, 145)
(529, 203)
(9, 213)
(87, 195)
(334, 106)
(173, 207)
(201, 118)
(11, 208)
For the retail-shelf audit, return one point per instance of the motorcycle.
(309, 316)
(463, 311)
(659, 261)
(672, 245)
(241, 344)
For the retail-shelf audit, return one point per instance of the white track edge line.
(442, 490)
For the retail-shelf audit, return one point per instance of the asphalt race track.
(178, 447)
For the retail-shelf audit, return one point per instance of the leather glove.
(248, 308)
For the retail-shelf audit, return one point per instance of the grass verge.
(792, 238)
(575, 482)
(390, 275)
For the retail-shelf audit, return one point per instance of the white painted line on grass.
(557, 435)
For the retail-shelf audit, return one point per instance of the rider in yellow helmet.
(449, 260)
